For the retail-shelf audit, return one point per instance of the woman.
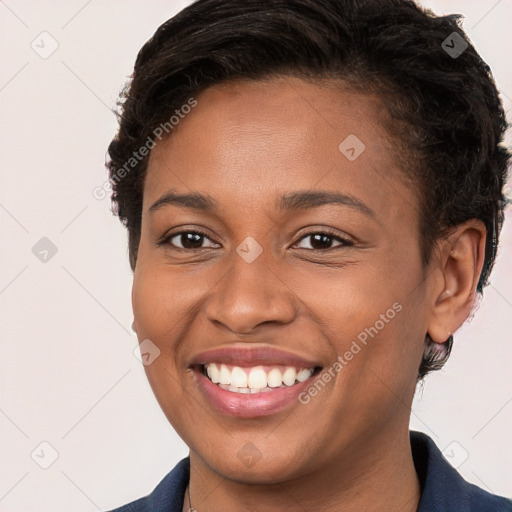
(313, 197)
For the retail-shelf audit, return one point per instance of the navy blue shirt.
(442, 488)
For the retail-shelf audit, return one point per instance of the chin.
(252, 459)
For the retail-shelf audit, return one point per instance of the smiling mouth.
(255, 379)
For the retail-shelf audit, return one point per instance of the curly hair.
(444, 110)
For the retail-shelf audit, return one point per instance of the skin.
(245, 145)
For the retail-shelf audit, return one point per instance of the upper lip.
(252, 356)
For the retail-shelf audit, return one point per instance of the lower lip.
(245, 405)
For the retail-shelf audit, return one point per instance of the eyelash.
(344, 242)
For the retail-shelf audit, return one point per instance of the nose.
(250, 294)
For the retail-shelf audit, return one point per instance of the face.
(291, 274)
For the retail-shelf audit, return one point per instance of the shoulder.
(443, 488)
(167, 495)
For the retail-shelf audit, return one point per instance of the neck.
(375, 475)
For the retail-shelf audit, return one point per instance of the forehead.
(253, 141)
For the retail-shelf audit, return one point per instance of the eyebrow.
(299, 200)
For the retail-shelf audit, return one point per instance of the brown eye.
(323, 241)
(188, 240)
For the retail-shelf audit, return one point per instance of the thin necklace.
(191, 509)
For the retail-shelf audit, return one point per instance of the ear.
(461, 257)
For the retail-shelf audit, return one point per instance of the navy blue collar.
(442, 488)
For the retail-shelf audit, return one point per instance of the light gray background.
(67, 372)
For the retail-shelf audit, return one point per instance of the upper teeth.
(256, 377)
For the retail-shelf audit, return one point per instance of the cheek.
(373, 320)
(159, 303)
(159, 311)
(159, 308)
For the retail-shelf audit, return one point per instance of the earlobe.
(461, 259)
